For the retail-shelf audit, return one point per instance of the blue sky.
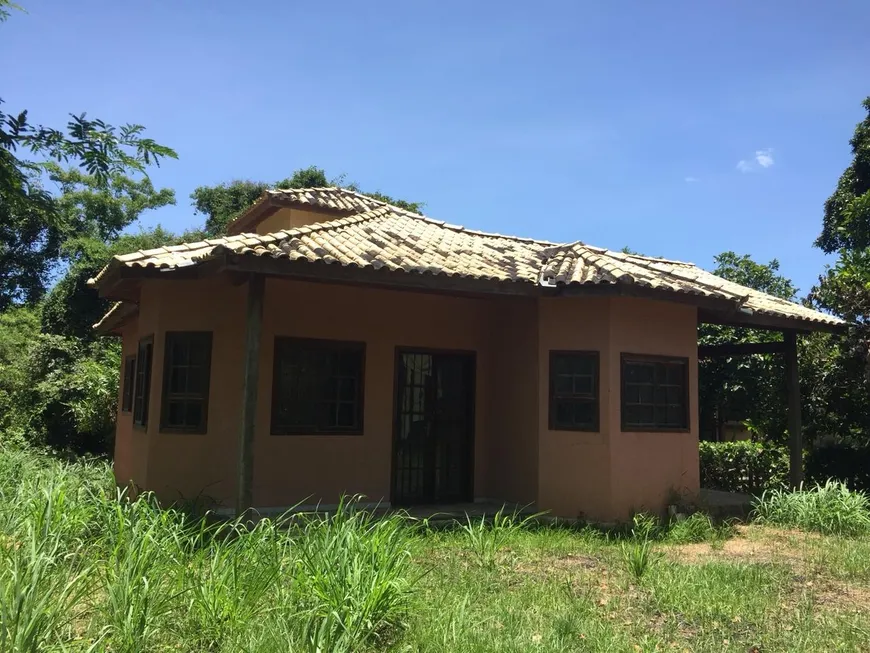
(680, 128)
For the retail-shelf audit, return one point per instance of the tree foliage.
(55, 390)
(33, 224)
(846, 223)
(844, 289)
(750, 389)
(223, 203)
(66, 195)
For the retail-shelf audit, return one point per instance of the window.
(655, 393)
(574, 390)
(186, 372)
(129, 381)
(317, 387)
(143, 381)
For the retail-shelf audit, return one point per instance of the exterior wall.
(513, 401)
(290, 218)
(190, 465)
(601, 476)
(574, 466)
(288, 469)
(298, 468)
(648, 469)
(609, 475)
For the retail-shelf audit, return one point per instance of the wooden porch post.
(253, 329)
(795, 436)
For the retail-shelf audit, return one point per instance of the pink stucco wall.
(602, 475)
(610, 474)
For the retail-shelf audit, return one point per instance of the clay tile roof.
(386, 237)
(116, 316)
(333, 198)
(578, 263)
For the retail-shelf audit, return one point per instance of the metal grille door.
(434, 428)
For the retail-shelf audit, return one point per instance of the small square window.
(655, 393)
(574, 391)
(317, 387)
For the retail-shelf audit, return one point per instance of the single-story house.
(334, 344)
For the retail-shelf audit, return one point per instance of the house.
(334, 344)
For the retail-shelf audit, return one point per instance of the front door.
(434, 428)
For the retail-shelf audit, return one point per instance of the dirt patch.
(751, 545)
(844, 597)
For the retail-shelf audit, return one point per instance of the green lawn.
(81, 570)
(555, 590)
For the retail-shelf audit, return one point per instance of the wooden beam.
(253, 330)
(795, 435)
(741, 349)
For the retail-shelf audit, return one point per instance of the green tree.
(55, 391)
(32, 223)
(71, 308)
(58, 386)
(846, 223)
(95, 213)
(844, 289)
(223, 203)
(744, 388)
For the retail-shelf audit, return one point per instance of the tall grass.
(486, 536)
(353, 576)
(83, 566)
(831, 509)
(42, 585)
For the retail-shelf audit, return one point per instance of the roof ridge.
(330, 189)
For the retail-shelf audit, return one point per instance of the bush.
(842, 462)
(831, 509)
(56, 391)
(742, 466)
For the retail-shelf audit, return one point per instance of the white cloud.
(764, 158)
(691, 180)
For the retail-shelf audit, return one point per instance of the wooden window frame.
(144, 397)
(593, 427)
(128, 390)
(317, 343)
(203, 397)
(649, 358)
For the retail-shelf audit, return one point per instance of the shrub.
(742, 466)
(831, 509)
(842, 462)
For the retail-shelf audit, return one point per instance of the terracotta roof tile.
(385, 236)
(116, 316)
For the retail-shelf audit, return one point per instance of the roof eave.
(116, 318)
(711, 310)
(738, 317)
